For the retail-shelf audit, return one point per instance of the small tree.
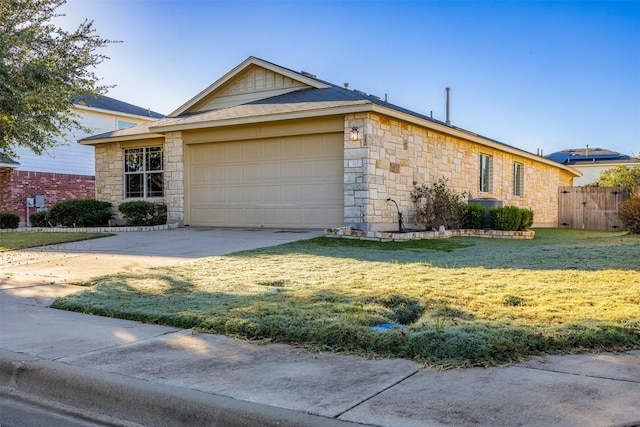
(438, 205)
(619, 176)
(629, 214)
(44, 70)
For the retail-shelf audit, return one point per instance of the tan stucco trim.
(237, 70)
(307, 114)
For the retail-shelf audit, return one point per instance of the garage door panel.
(291, 193)
(272, 171)
(278, 182)
(272, 193)
(234, 153)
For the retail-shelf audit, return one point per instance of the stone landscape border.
(390, 236)
(107, 229)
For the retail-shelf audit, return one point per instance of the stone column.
(174, 177)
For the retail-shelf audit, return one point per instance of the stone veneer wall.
(390, 156)
(110, 171)
(174, 177)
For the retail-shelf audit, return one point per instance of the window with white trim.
(486, 172)
(518, 179)
(143, 172)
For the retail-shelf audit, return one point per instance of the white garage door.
(277, 182)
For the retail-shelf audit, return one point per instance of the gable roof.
(590, 156)
(305, 80)
(303, 96)
(112, 104)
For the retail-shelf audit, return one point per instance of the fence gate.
(591, 208)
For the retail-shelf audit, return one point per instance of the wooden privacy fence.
(591, 208)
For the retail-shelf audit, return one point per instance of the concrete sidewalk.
(129, 373)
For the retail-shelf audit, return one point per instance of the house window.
(518, 179)
(486, 170)
(143, 172)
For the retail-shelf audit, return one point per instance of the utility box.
(486, 204)
(31, 202)
(39, 200)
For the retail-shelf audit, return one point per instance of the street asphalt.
(120, 372)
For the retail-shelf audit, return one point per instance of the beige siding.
(252, 84)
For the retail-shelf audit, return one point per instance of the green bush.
(9, 220)
(40, 219)
(527, 219)
(143, 213)
(505, 218)
(438, 205)
(473, 216)
(629, 214)
(510, 218)
(80, 213)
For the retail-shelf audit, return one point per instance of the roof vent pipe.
(448, 116)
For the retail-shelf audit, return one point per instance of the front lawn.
(462, 301)
(24, 240)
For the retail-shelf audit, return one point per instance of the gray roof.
(7, 162)
(306, 99)
(111, 104)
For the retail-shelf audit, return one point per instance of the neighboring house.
(66, 171)
(591, 162)
(265, 146)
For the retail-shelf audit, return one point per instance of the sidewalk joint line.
(337, 416)
(579, 375)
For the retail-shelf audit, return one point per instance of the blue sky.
(536, 75)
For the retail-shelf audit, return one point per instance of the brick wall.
(5, 189)
(54, 186)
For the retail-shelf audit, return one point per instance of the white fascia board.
(237, 70)
(113, 113)
(139, 137)
(470, 136)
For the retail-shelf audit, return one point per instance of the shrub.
(473, 216)
(143, 213)
(527, 219)
(629, 214)
(80, 213)
(9, 220)
(510, 218)
(40, 219)
(505, 218)
(438, 205)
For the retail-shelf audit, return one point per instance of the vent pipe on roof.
(346, 85)
(448, 116)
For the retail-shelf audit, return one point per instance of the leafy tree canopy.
(619, 176)
(43, 70)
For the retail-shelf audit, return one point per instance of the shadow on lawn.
(549, 252)
(338, 322)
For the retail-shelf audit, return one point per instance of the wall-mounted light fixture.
(353, 135)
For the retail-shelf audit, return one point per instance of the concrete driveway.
(58, 265)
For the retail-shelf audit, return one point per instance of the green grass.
(24, 240)
(463, 301)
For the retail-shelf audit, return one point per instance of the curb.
(138, 401)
